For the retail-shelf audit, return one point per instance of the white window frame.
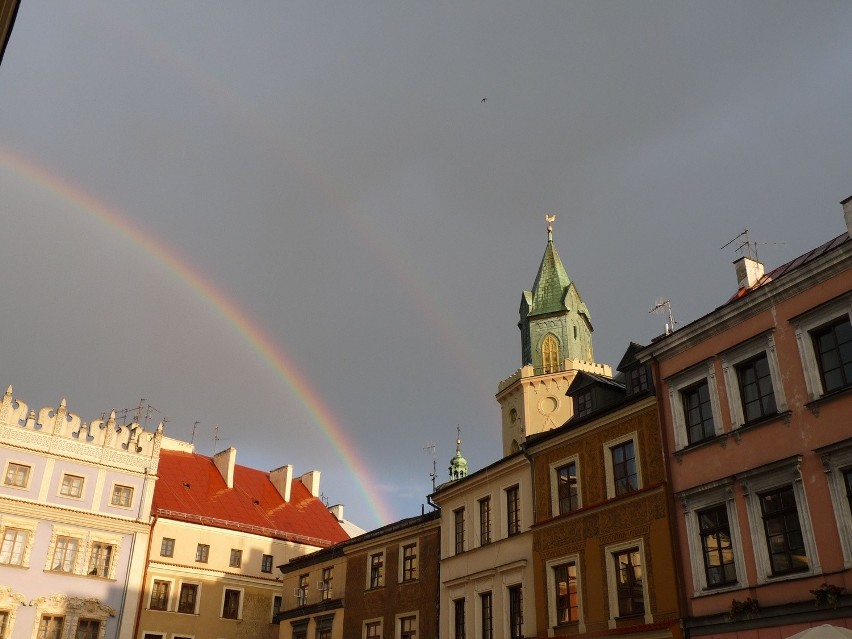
(239, 616)
(611, 579)
(70, 495)
(551, 590)
(610, 472)
(733, 357)
(753, 482)
(132, 490)
(836, 458)
(18, 463)
(81, 556)
(25, 525)
(370, 554)
(554, 483)
(698, 499)
(397, 624)
(198, 585)
(804, 325)
(378, 620)
(680, 382)
(105, 540)
(399, 573)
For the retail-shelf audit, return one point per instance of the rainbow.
(207, 291)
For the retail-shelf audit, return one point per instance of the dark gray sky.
(284, 218)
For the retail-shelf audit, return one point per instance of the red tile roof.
(190, 488)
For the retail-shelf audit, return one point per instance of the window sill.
(716, 439)
(757, 423)
(814, 405)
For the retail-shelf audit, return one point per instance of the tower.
(458, 464)
(556, 342)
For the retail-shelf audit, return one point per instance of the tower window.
(550, 355)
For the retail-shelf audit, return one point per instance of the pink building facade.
(756, 406)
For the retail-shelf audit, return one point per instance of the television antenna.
(746, 246)
(434, 474)
(663, 305)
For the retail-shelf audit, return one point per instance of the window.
(231, 604)
(236, 558)
(202, 552)
(458, 619)
(100, 561)
(484, 521)
(637, 380)
(837, 460)
(716, 546)
(833, 348)
(694, 404)
(409, 562)
(17, 475)
(513, 511)
(50, 627)
(302, 591)
(160, 595)
(408, 627)
(266, 563)
(72, 486)
(188, 598)
(565, 592)
(4, 622)
(167, 547)
(516, 612)
(300, 629)
(783, 531)
(825, 346)
(582, 404)
(277, 602)
(698, 413)
(486, 615)
(122, 496)
(153, 635)
(566, 488)
(64, 554)
(550, 355)
(324, 625)
(758, 398)
(624, 475)
(373, 630)
(88, 629)
(628, 582)
(458, 520)
(377, 570)
(12, 550)
(325, 584)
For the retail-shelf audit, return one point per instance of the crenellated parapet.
(56, 431)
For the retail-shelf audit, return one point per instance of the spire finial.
(458, 438)
(549, 219)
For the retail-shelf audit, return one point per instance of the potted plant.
(747, 608)
(827, 595)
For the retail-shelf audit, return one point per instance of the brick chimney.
(847, 213)
(282, 479)
(311, 481)
(224, 462)
(749, 272)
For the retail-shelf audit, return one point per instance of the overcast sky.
(301, 223)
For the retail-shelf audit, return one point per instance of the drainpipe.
(523, 448)
(673, 537)
(144, 577)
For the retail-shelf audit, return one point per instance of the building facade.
(75, 505)
(219, 531)
(756, 414)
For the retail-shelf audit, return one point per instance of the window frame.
(837, 461)
(408, 563)
(612, 580)
(326, 579)
(610, 466)
(376, 570)
(459, 618)
(304, 585)
(96, 564)
(266, 563)
(584, 403)
(555, 499)
(550, 349)
(406, 617)
(49, 618)
(683, 381)
(202, 553)
(458, 530)
(20, 526)
(804, 326)
(734, 357)
(20, 465)
(168, 583)
(62, 539)
(236, 558)
(512, 502)
(372, 624)
(196, 602)
(72, 489)
(758, 481)
(118, 490)
(515, 610)
(170, 545)
(552, 612)
(486, 614)
(485, 524)
(239, 611)
(89, 635)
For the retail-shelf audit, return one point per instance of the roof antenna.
(434, 474)
(661, 304)
(746, 243)
(194, 426)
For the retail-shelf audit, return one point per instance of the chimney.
(224, 461)
(311, 482)
(847, 213)
(282, 479)
(337, 511)
(749, 272)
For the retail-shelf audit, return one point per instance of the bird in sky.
(484, 99)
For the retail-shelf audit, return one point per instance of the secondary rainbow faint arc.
(206, 289)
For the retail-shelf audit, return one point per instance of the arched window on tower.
(550, 355)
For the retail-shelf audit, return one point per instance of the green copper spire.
(458, 464)
(555, 323)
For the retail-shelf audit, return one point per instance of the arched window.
(550, 354)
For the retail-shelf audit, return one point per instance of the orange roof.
(190, 488)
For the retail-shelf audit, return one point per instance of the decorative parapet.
(56, 431)
(569, 366)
